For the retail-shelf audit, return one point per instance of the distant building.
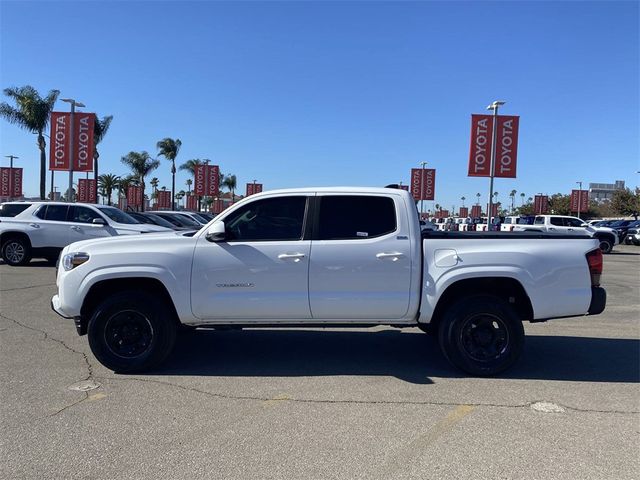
(604, 191)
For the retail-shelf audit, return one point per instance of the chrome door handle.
(394, 256)
(569, 229)
(296, 257)
(34, 225)
(76, 228)
(551, 228)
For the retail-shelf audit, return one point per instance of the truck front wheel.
(481, 335)
(131, 331)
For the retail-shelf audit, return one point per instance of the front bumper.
(598, 300)
(81, 327)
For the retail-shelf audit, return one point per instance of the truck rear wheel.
(481, 335)
(131, 331)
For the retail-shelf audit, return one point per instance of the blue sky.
(339, 93)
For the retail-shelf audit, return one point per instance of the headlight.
(72, 260)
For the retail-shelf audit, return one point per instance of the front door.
(260, 271)
(360, 258)
(81, 226)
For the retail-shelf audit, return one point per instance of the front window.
(118, 216)
(267, 219)
(557, 221)
(574, 222)
(84, 215)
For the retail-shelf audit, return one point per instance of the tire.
(481, 335)
(606, 245)
(131, 332)
(16, 251)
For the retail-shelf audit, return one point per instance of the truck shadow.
(408, 355)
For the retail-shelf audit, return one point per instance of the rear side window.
(56, 213)
(13, 209)
(345, 217)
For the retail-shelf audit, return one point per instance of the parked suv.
(45, 228)
(565, 225)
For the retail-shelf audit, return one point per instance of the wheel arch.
(508, 289)
(4, 236)
(105, 288)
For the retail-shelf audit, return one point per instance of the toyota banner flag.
(506, 150)
(579, 200)
(207, 180)
(423, 183)
(60, 148)
(164, 199)
(192, 202)
(464, 212)
(541, 204)
(476, 212)
(253, 188)
(134, 196)
(87, 190)
(10, 182)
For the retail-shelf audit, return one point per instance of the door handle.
(296, 257)
(551, 228)
(394, 256)
(34, 225)
(76, 228)
(569, 229)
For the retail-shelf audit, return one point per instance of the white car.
(45, 228)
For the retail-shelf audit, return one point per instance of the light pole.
(579, 197)
(11, 158)
(422, 189)
(74, 104)
(494, 106)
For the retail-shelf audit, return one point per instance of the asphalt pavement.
(377, 403)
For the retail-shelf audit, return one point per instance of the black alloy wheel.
(482, 335)
(132, 331)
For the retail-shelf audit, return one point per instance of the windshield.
(200, 217)
(118, 216)
(179, 220)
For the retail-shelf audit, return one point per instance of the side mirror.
(216, 232)
(584, 225)
(98, 221)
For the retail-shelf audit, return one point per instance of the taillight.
(594, 259)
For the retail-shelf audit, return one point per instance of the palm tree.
(154, 187)
(478, 195)
(100, 129)
(190, 165)
(189, 182)
(231, 184)
(141, 164)
(180, 195)
(463, 199)
(169, 148)
(522, 195)
(513, 197)
(108, 183)
(32, 114)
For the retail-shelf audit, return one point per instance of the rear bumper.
(598, 300)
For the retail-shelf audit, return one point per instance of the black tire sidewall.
(449, 334)
(609, 244)
(27, 252)
(162, 341)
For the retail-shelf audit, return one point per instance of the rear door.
(360, 258)
(49, 227)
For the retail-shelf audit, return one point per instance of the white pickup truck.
(562, 224)
(43, 229)
(331, 257)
